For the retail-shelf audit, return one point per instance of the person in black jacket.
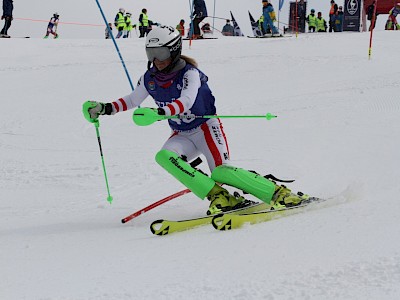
(199, 14)
(7, 17)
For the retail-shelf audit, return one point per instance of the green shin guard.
(194, 180)
(245, 180)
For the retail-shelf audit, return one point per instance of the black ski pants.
(7, 24)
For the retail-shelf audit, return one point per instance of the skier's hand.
(161, 111)
(2, 17)
(97, 110)
(92, 110)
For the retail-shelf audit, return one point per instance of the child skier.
(52, 26)
(128, 25)
(391, 23)
(181, 27)
(320, 23)
(179, 87)
(108, 31)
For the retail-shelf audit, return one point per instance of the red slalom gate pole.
(372, 30)
(155, 204)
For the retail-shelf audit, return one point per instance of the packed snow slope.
(337, 134)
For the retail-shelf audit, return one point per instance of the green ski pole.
(146, 116)
(85, 110)
(96, 125)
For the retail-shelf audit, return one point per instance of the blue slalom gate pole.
(214, 15)
(191, 23)
(115, 44)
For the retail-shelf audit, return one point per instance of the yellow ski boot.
(222, 201)
(283, 198)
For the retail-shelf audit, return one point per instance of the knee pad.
(247, 181)
(194, 180)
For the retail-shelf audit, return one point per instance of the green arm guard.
(145, 116)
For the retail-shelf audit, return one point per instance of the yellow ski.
(163, 227)
(233, 221)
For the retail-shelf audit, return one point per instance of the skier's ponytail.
(190, 60)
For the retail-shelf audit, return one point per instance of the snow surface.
(337, 134)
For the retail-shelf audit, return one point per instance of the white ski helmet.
(122, 10)
(162, 43)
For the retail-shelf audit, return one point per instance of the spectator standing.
(52, 26)
(199, 14)
(321, 23)
(7, 16)
(339, 20)
(311, 21)
(144, 23)
(119, 22)
(181, 27)
(332, 16)
(108, 31)
(269, 17)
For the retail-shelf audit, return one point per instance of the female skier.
(180, 88)
(52, 23)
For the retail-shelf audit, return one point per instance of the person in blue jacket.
(180, 88)
(7, 16)
(339, 20)
(269, 17)
(199, 14)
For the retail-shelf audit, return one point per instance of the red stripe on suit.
(211, 145)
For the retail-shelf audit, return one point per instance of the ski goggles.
(161, 53)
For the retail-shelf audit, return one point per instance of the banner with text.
(352, 15)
